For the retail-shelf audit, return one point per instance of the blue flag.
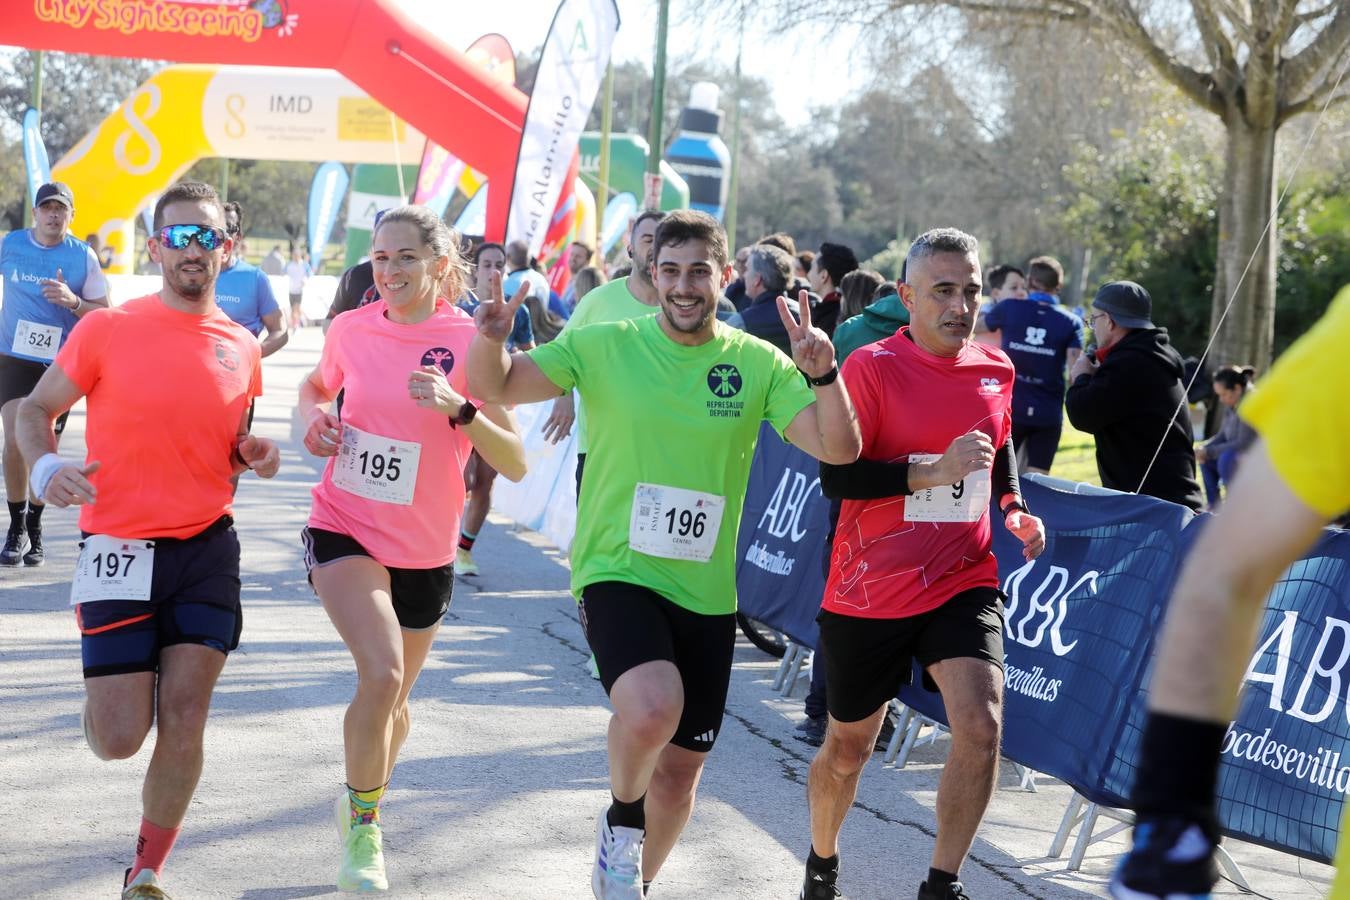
(325, 196)
(35, 154)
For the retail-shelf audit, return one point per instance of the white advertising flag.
(570, 73)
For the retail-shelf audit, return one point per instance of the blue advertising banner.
(1286, 756)
(35, 159)
(1078, 625)
(325, 197)
(779, 569)
(1079, 633)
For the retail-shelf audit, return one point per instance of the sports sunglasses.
(179, 236)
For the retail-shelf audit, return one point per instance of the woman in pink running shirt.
(382, 531)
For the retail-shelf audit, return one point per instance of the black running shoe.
(955, 891)
(34, 556)
(16, 545)
(820, 886)
(1172, 858)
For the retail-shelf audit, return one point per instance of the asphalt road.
(497, 790)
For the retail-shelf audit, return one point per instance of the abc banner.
(1079, 630)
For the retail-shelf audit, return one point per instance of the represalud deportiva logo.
(217, 18)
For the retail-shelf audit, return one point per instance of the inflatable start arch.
(430, 86)
(185, 113)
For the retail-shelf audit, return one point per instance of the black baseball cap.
(1125, 302)
(55, 190)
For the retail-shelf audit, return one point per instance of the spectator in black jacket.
(1130, 396)
(768, 271)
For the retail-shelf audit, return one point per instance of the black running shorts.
(194, 599)
(1037, 444)
(18, 377)
(421, 596)
(868, 660)
(628, 625)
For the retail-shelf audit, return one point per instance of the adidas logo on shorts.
(707, 737)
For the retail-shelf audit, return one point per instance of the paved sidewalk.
(501, 779)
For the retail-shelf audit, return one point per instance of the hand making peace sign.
(494, 315)
(811, 348)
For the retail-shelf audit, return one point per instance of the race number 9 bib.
(377, 468)
(113, 568)
(34, 339)
(674, 523)
(964, 501)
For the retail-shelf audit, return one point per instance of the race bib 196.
(34, 339)
(674, 523)
(964, 501)
(113, 568)
(376, 467)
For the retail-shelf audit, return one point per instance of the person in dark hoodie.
(1130, 395)
(768, 271)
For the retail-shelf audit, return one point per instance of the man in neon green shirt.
(1292, 481)
(675, 402)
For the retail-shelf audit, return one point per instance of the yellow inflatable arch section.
(189, 112)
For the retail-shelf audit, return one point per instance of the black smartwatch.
(465, 415)
(827, 378)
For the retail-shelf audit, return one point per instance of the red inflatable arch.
(431, 86)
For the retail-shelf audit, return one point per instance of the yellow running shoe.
(464, 564)
(145, 886)
(363, 861)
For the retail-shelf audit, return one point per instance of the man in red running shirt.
(912, 574)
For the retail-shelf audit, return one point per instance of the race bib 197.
(33, 339)
(674, 523)
(111, 568)
(376, 467)
(964, 501)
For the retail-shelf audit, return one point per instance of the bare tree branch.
(1312, 15)
(1316, 100)
(1122, 18)
(1217, 45)
(1245, 28)
(1328, 47)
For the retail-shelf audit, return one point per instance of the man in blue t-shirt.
(1041, 338)
(244, 293)
(51, 279)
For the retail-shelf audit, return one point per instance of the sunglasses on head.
(179, 236)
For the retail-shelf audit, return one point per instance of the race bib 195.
(111, 568)
(674, 523)
(964, 501)
(376, 467)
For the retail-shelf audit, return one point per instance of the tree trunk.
(1244, 209)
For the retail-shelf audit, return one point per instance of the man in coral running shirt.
(169, 382)
(912, 574)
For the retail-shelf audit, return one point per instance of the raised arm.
(495, 375)
(828, 428)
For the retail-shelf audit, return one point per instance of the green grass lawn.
(1076, 459)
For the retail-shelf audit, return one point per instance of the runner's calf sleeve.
(1178, 768)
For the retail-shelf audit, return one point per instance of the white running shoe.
(617, 872)
(145, 886)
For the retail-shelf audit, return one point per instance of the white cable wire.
(1274, 216)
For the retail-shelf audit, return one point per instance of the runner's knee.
(381, 684)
